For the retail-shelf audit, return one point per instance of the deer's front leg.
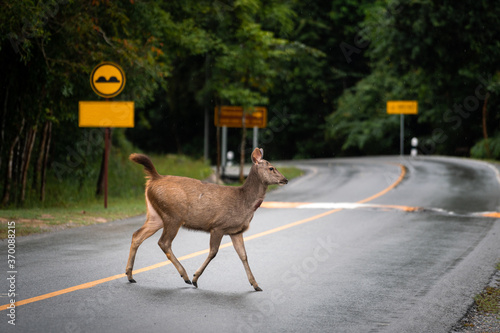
(239, 246)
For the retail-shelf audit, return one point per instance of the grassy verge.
(77, 206)
(489, 300)
(72, 203)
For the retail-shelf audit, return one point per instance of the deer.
(173, 202)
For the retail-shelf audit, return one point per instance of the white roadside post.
(414, 144)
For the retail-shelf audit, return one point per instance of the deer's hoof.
(188, 281)
(132, 281)
(257, 288)
(195, 284)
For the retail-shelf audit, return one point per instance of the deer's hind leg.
(153, 224)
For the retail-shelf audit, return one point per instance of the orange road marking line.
(495, 215)
(293, 224)
(279, 204)
(195, 254)
(111, 278)
(393, 185)
(63, 291)
(340, 205)
(403, 208)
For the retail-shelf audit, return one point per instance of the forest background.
(324, 70)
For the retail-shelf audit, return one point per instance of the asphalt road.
(381, 251)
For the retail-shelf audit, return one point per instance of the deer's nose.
(284, 181)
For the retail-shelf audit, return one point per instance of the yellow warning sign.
(105, 114)
(107, 79)
(402, 107)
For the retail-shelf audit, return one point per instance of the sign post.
(402, 108)
(231, 116)
(107, 144)
(255, 137)
(401, 134)
(107, 80)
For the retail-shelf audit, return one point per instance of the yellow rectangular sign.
(402, 107)
(105, 114)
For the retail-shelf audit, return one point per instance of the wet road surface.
(366, 267)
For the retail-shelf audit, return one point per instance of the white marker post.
(414, 145)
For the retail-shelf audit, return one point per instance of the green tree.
(48, 50)
(442, 54)
(245, 71)
(314, 80)
(244, 56)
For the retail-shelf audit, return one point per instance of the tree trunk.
(10, 165)
(2, 127)
(44, 128)
(30, 141)
(45, 160)
(39, 162)
(485, 128)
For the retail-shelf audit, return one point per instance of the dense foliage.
(442, 54)
(324, 69)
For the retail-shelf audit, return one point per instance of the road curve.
(345, 257)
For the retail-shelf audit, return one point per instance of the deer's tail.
(149, 168)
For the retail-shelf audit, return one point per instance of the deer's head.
(267, 173)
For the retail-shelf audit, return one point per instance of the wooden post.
(107, 144)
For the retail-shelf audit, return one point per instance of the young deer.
(174, 202)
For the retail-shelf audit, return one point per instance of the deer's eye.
(271, 169)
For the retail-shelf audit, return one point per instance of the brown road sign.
(231, 116)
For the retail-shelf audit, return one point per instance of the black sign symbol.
(102, 79)
(107, 79)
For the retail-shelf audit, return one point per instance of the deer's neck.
(253, 190)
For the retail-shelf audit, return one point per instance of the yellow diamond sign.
(107, 79)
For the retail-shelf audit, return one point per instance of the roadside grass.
(73, 204)
(488, 301)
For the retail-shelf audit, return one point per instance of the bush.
(480, 149)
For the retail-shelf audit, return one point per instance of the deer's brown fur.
(174, 202)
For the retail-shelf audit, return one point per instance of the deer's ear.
(257, 155)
